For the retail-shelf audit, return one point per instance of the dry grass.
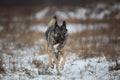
(81, 43)
(37, 63)
(115, 67)
(2, 70)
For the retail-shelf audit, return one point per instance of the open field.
(93, 45)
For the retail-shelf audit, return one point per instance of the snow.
(118, 16)
(101, 6)
(80, 14)
(39, 28)
(1, 28)
(98, 12)
(72, 28)
(61, 14)
(116, 6)
(21, 65)
(42, 13)
(101, 15)
(75, 67)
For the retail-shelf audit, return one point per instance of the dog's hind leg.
(64, 59)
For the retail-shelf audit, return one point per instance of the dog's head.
(60, 32)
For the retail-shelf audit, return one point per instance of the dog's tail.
(52, 22)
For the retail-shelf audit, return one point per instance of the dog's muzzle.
(58, 41)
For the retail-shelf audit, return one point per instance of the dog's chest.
(56, 47)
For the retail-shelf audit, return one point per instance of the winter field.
(93, 45)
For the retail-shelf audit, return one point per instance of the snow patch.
(100, 6)
(100, 15)
(116, 6)
(80, 14)
(72, 28)
(39, 28)
(61, 14)
(1, 28)
(41, 14)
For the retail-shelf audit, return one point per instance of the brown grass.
(97, 46)
(37, 63)
(2, 70)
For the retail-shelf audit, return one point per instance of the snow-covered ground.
(28, 64)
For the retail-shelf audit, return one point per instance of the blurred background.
(93, 26)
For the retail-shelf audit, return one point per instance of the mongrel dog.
(56, 37)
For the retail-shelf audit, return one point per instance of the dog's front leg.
(50, 59)
(64, 59)
(50, 56)
(57, 66)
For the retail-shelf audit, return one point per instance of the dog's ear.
(56, 23)
(55, 17)
(64, 23)
(56, 28)
(63, 27)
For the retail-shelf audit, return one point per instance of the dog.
(56, 37)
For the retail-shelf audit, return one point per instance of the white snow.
(75, 68)
(100, 6)
(39, 28)
(41, 14)
(80, 14)
(118, 16)
(116, 6)
(100, 15)
(1, 28)
(61, 14)
(72, 28)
